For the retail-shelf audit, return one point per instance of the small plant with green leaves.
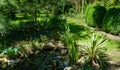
(11, 52)
(72, 46)
(94, 52)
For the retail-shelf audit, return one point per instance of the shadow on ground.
(80, 31)
(114, 66)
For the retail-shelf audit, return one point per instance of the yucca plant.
(72, 46)
(94, 52)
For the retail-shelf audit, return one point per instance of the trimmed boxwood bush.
(111, 21)
(94, 15)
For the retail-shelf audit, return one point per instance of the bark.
(83, 6)
(76, 4)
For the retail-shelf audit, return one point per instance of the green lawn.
(83, 32)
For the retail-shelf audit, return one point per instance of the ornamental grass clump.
(72, 46)
(94, 52)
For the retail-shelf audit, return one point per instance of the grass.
(79, 28)
(72, 46)
(114, 50)
(21, 18)
(83, 32)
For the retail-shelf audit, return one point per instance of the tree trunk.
(76, 4)
(82, 7)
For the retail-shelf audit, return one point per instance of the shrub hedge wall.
(94, 15)
(111, 21)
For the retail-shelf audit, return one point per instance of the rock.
(66, 64)
(60, 57)
(68, 68)
(51, 44)
(48, 48)
(57, 48)
(64, 51)
(52, 56)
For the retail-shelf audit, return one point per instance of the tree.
(83, 3)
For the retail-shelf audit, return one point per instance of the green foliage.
(11, 52)
(9, 8)
(94, 51)
(72, 46)
(24, 30)
(111, 22)
(4, 24)
(55, 26)
(95, 15)
(112, 3)
(28, 48)
(68, 7)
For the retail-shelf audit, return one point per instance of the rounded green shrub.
(111, 21)
(94, 15)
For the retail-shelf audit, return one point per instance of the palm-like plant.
(94, 52)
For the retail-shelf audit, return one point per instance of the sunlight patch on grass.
(83, 32)
(77, 21)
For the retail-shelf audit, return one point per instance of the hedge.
(94, 15)
(111, 21)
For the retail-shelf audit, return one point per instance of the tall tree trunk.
(76, 4)
(89, 1)
(82, 7)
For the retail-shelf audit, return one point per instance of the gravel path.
(111, 36)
